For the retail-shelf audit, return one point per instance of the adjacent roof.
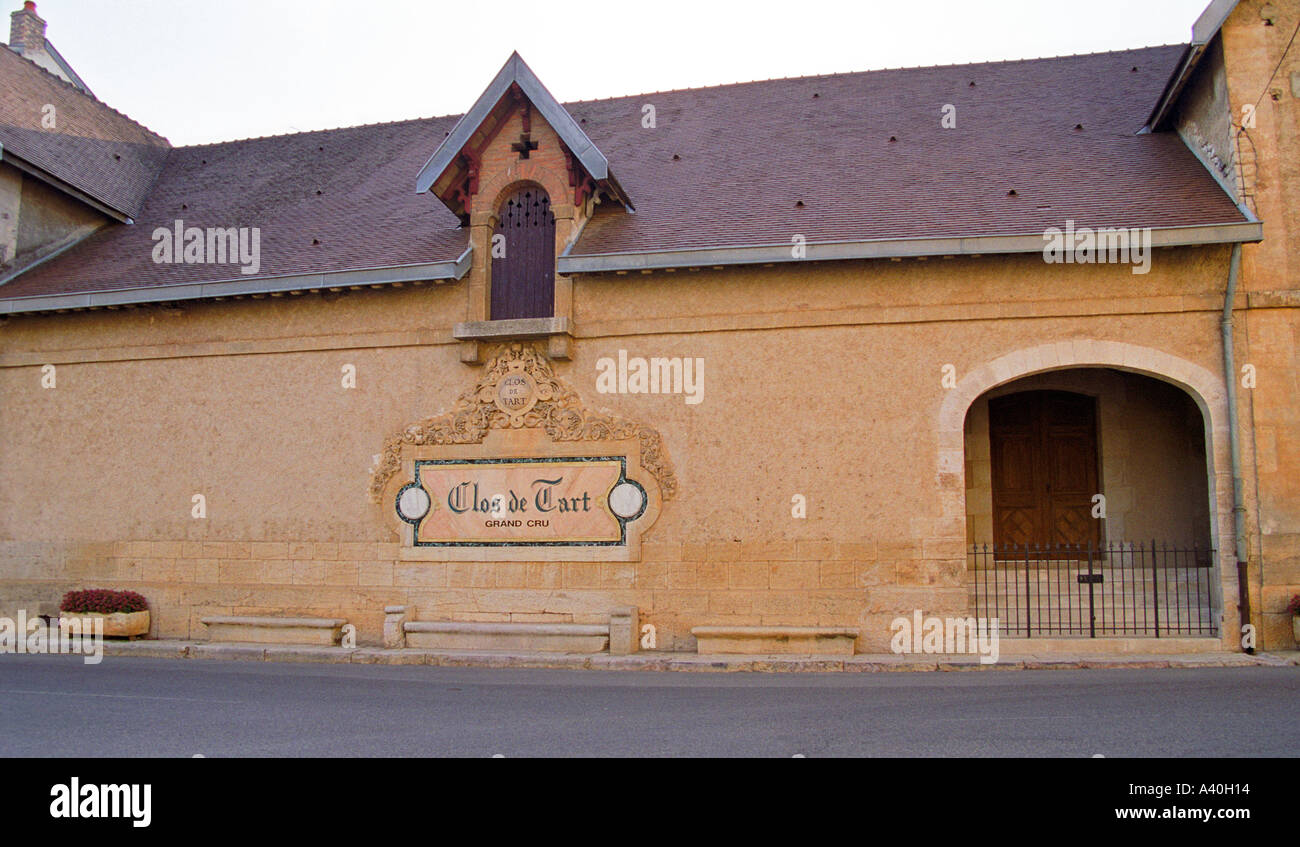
(848, 158)
(324, 202)
(92, 149)
(52, 60)
(63, 65)
(864, 156)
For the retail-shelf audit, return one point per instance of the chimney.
(26, 30)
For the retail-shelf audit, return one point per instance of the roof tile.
(725, 166)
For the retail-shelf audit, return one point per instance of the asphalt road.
(57, 706)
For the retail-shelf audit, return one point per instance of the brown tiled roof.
(324, 201)
(748, 154)
(95, 149)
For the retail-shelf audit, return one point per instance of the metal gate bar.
(1117, 589)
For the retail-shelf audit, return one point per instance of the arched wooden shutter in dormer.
(523, 265)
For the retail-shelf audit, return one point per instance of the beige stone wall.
(822, 381)
(48, 220)
(11, 195)
(1260, 71)
(1203, 118)
(1151, 463)
(1274, 408)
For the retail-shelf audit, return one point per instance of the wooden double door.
(1044, 457)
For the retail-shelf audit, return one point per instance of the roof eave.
(885, 248)
(37, 172)
(453, 269)
(620, 194)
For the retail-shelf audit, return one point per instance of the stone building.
(786, 359)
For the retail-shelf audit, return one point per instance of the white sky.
(199, 70)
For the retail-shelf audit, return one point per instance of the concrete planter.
(116, 625)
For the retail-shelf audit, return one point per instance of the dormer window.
(523, 257)
(523, 178)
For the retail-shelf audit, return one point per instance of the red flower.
(103, 600)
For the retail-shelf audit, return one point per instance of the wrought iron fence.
(1114, 589)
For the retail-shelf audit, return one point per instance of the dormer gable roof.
(452, 163)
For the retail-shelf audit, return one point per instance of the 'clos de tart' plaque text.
(551, 501)
(521, 469)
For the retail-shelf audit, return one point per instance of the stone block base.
(804, 640)
(555, 637)
(1107, 646)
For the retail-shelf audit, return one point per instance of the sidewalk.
(662, 661)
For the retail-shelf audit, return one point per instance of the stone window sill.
(511, 329)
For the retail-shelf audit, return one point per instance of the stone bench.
(619, 636)
(258, 629)
(804, 640)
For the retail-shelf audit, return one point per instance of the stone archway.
(1201, 385)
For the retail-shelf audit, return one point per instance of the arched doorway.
(1088, 506)
(523, 256)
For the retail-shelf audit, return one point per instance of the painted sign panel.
(545, 501)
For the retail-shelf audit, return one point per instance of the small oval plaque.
(516, 393)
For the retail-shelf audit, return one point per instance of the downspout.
(1234, 441)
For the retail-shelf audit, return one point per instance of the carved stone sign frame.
(519, 412)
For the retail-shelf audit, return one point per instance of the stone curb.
(1278, 659)
(684, 662)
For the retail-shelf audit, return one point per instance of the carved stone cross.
(524, 145)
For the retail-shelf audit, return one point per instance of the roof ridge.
(738, 83)
(872, 71)
(83, 93)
